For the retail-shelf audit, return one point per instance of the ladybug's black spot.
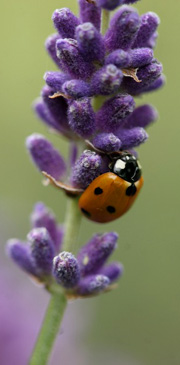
(85, 212)
(111, 209)
(98, 191)
(131, 190)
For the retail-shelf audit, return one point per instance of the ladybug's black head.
(126, 166)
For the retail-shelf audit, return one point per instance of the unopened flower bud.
(45, 156)
(86, 169)
(66, 270)
(94, 254)
(65, 22)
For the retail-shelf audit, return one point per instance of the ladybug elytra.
(111, 194)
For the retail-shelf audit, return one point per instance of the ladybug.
(111, 194)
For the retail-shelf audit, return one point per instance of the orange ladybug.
(111, 194)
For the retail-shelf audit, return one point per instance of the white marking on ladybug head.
(120, 164)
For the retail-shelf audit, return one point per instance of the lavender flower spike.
(76, 89)
(95, 253)
(86, 169)
(93, 284)
(66, 270)
(42, 249)
(20, 253)
(45, 156)
(65, 22)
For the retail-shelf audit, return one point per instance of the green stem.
(49, 330)
(105, 20)
(72, 224)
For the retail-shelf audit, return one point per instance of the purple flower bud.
(44, 114)
(71, 60)
(90, 42)
(140, 57)
(106, 81)
(151, 43)
(65, 22)
(141, 117)
(45, 156)
(133, 137)
(114, 110)
(50, 45)
(108, 4)
(119, 58)
(55, 79)
(112, 271)
(94, 254)
(86, 169)
(149, 24)
(81, 117)
(66, 270)
(107, 142)
(43, 217)
(20, 253)
(123, 29)
(156, 84)
(73, 153)
(90, 13)
(93, 284)
(42, 249)
(76, 89)
(128, 1)
(147, 74)
(57, 107)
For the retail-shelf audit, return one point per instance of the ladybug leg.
(70, 190)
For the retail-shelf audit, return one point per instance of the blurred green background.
(141, 319)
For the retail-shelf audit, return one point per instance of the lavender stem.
(49, 329)
(72, 225)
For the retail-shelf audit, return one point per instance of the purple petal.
(55, 79)
(76, 89)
